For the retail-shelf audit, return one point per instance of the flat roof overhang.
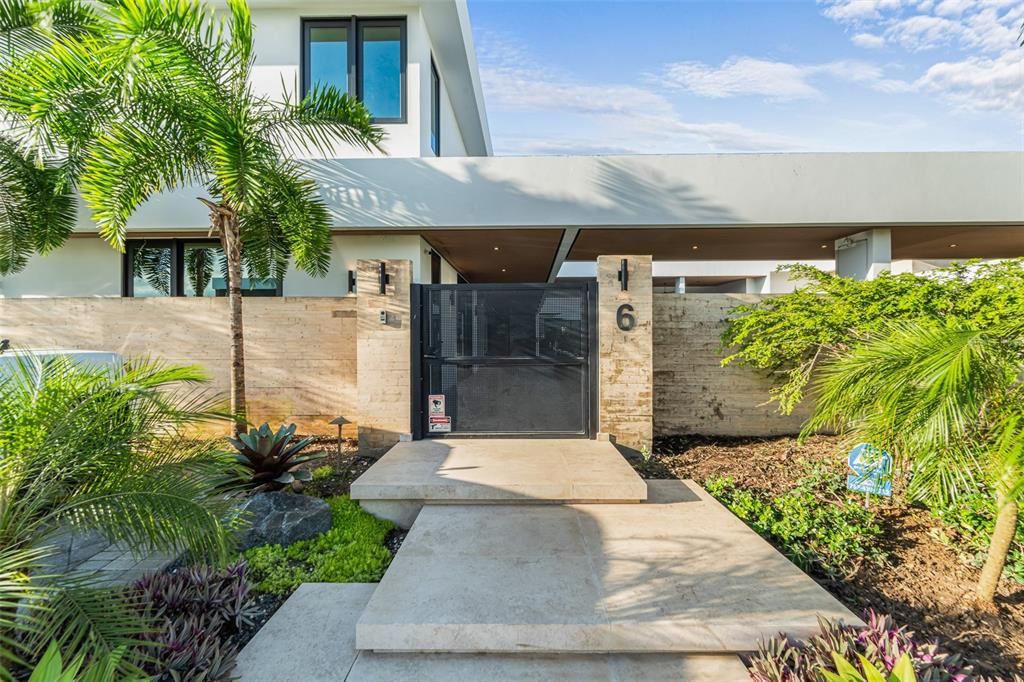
(636, 192)
(731, 206)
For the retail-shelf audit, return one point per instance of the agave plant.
(272, 458)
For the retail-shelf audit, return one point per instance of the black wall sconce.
(385, 278)
(624, 274)
(351, 281)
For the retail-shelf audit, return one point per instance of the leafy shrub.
(51, 668)
(786, 335)
(972, 519)
(322, 472)
(271, 458)
(880, 641)
(110, 451)
(809, 530)
(351, 551)
(196, 611)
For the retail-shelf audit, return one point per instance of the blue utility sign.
(872, 470)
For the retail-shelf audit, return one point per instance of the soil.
(924, 585)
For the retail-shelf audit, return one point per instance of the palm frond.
(926, 392)
(37, 208)
(28, 26)
(321, 119)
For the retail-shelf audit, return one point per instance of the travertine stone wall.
(300, 353)
(625, 391)
(693, 393)
(384, 353)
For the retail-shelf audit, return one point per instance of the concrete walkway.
(495, 470)
(319, 621)
(679, 573)
(491, 585)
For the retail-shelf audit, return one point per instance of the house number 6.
(625, 318)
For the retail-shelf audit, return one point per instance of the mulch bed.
(924, 585)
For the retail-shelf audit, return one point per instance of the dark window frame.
(355, 43)
(177, 246)
(435, 108)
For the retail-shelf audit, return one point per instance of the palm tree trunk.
(998, 548)
(230, 239)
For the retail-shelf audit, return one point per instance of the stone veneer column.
(383, 362)
(626, 408)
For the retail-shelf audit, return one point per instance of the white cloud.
(978, 83)
(611, 117)
(991, 75)
(741, 76)
(771, 79)
(858, 10)
(868, 40)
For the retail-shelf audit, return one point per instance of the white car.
(82, 358)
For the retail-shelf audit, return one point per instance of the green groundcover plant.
(352, 551)
(969, 523)
(812, 524)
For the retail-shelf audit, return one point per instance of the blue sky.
(588, 77)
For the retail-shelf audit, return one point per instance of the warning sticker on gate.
(435, 405)
(440, 425)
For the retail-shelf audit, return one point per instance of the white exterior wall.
(278, 38)
(88, 266)
(84, 266)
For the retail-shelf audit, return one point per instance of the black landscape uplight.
(624, 274)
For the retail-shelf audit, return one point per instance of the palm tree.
(171, 95)
(91, 449)
(948, 402)
(37, 201)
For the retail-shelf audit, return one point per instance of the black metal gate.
(508, 359)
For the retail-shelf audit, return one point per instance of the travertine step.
(495, 470)
(677, 574)
(318, 621)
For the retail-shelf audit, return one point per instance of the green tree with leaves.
(789, 336)
(167, 90)
(37, 199)
(88, 449)
(947, 400)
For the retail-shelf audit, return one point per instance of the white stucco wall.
(90, 267)
(347, 249)
(278, 38)
(84, 266)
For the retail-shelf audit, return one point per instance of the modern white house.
(713, 223)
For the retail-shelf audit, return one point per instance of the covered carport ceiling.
(795, 243)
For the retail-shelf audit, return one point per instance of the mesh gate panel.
(509, 359)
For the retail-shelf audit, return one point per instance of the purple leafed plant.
(196, 612)
(881, 641)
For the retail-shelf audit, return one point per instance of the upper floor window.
(363, 57)
(435, 110)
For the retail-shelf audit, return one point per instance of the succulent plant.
(272, 458)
